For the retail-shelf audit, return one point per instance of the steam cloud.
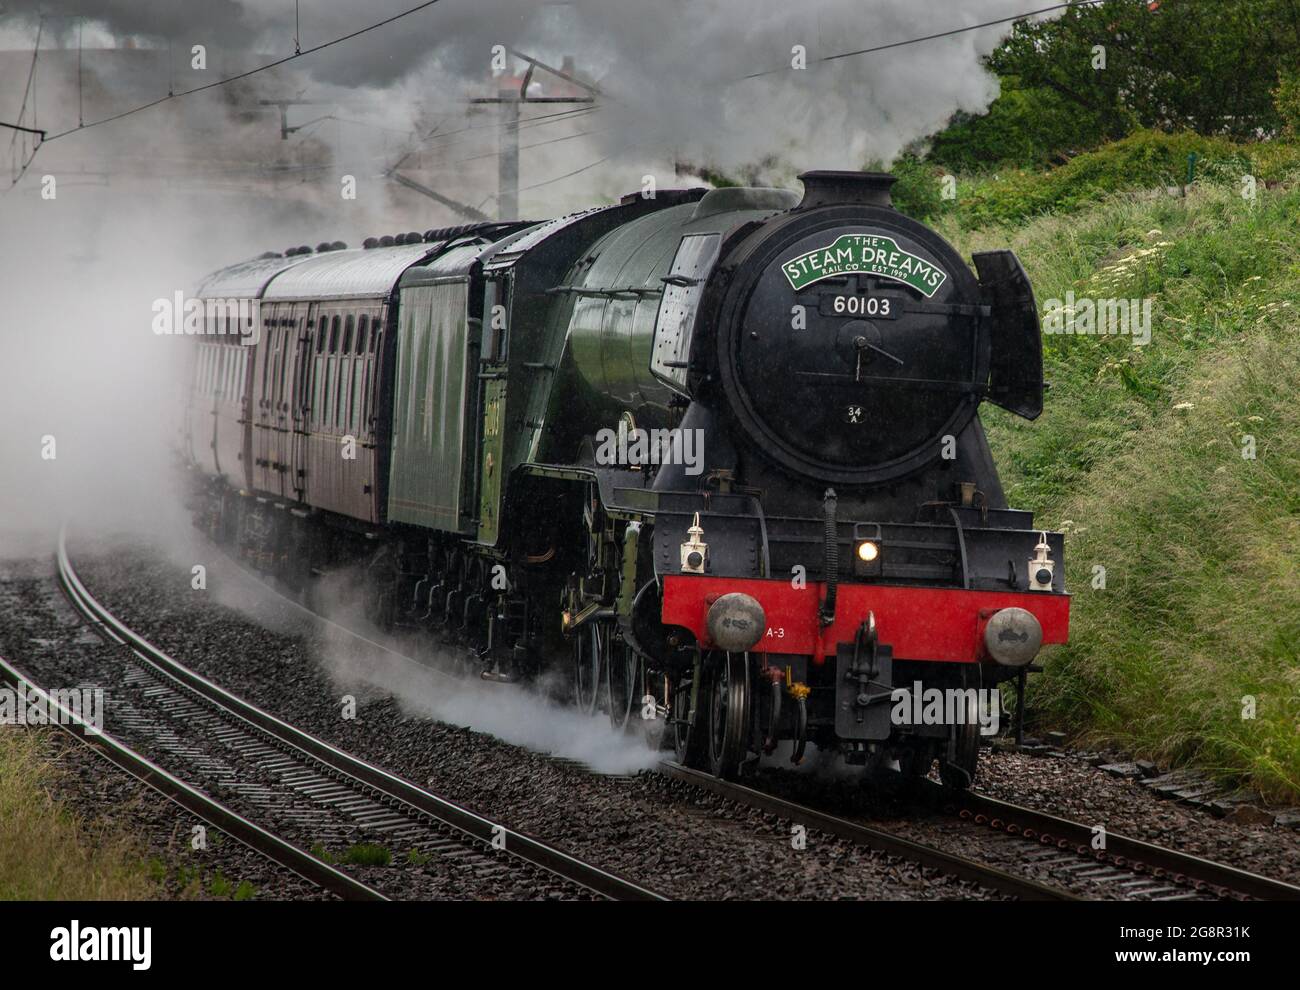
(673, 71)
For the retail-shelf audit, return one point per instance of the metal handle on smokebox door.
(826, 613)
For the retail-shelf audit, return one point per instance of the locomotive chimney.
(826, 188)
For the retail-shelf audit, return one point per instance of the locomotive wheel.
(623, 678)
(916, 759)
(961, 755)
(729, 713)
(588, 659)
(800, 737)
(690, 743)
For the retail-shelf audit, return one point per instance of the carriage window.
(341, 399)
(375, 326)
(495, 321)
(347, 334)
(372, 385)
(317, 391)
(328, 398)
(322, 333)
(285, 356)
(266, 364)
(345, 399)
(361, 335)
(321, 406)
(334, 335)
(365, 404)
(333, 398)
(274, 375)
(362, 388)
(353, 380)
(339, 408)
(354, 398)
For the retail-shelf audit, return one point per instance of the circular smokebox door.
(862, 384)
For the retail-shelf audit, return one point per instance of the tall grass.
(1138, 457)
(46, 851)
(1143, 160)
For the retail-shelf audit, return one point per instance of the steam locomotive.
(710, 460)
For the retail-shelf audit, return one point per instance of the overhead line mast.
(509, 101)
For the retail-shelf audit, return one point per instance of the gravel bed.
(885, 805)
(109, 798)
(103, 793)
(1070, 786)
(153, 717)
(680, 841)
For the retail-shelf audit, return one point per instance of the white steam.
(417, 673)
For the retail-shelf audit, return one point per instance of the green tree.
(1286, 100)
(1023, 126)
(1172, 65)
(1101, 72)
(917, 192)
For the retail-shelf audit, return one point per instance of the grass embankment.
(1144, 160)
(47, 852)
(1139, 455)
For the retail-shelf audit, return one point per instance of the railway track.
(308, 786)
(1066, 843)
(1058, 849)
(874, 838)
(1040, 844)
(208, 809)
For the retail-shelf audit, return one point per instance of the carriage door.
(281, 394)
(301, 399)
(263, 412)
(493, 360)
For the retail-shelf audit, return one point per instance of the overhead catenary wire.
(931, 37)
(349, 163)
(566, 175)
(171, 95)
(19, 170)
(31, 74)
(303, 53)
(522, 147)
(436, 140)
(436, 145)
(81, 102)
